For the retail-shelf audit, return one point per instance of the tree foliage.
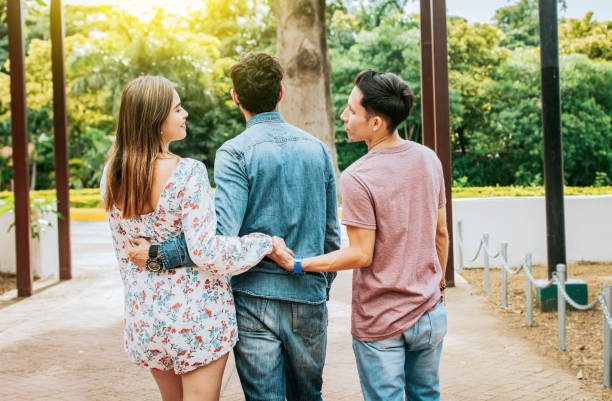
(495, 99)
(493, 75)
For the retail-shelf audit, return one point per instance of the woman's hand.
(282, 255)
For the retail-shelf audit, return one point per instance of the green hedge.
(488, 192)
(80, 198)
(90, 197)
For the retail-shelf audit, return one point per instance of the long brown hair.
(145, 104)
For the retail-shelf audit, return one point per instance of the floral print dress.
(185, 318)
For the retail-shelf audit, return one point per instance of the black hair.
(385, 95)
(257, 81)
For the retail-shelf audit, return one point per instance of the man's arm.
(332, 225)
(358, 254)
(332, 239)
(442, 241)
(232, 193)
(173, 252)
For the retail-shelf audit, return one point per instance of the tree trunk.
(302, 51)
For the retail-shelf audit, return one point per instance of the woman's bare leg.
(170, 385)
(204, 384)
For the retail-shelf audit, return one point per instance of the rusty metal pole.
(19, 131)
(60, 130)
(442, 117)
(427, 83)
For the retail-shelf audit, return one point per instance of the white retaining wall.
(521, 221)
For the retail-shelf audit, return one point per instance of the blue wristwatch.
(297, 265)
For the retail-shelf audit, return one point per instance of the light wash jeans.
(407, 362)
(281, 348)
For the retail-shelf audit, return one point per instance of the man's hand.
(138, 251)
(442, 288)
(282, 255)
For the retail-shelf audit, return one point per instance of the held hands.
(282, 255)
(138, 251)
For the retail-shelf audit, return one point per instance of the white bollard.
(460, 235)
(485, 240)
(607, 335)
(561, 305)
(528, 292)
(504, 258)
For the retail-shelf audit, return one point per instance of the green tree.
(474, 52)
(520, 24)
(393, 46)
(586, 36)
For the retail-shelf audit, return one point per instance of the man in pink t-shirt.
(394, 210)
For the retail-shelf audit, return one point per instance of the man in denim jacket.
(279, 180)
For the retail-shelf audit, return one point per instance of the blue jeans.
(408, 361)
(281, 348)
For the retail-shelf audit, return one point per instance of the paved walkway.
(64, 343)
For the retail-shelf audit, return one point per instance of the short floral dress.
(185, 318)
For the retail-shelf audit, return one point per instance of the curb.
(98, 214)
(87, 214)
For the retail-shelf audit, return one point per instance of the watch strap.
(153, 251)
(297, 265)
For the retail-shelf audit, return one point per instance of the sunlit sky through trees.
(484, 10)
(472, 10)
(138, 7)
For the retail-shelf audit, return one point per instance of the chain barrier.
(558, 278)
(477, 252)
(534, 282)
(486, 249)
(507, 268)
(482, 246)
(572, 302)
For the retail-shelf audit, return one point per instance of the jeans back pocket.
(250, 312)
(309, 320)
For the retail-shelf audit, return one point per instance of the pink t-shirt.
(396, 191)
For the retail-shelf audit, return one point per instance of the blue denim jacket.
(275, 179)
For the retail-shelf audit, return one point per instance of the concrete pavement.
(65, 343)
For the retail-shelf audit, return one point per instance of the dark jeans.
(281, 348)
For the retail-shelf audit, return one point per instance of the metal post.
(551, 125)
(528, 293)
(460, 247)
(561, 305)
(442, 116)
(504, 258)
(19, 130)
(62, 183)
(485, 245)
(427, 78)
(607, 335)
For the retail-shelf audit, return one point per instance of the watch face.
(154, 265)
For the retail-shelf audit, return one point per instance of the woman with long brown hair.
(181, 324)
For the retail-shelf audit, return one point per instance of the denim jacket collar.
(268, 117)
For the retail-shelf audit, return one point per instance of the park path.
(64, 343)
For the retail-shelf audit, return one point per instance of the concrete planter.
(44, 254)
